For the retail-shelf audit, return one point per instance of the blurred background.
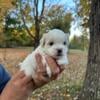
(22, 24)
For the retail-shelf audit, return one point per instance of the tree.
(82, 11)
(91, 86)
(82, 16)
(58, 17)
(38, 15)
(4, 6)
(79, 42)
(14, 33)
(28, 18)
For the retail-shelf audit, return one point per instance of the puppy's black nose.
(59, 51)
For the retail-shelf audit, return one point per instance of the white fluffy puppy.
(55, 44)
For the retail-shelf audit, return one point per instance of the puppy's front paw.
(62, 62)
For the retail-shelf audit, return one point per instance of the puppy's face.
(55, 43)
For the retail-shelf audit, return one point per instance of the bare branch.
(33, 10)
(27, 29)
(41, 15)
(22, 16)
(36, 8)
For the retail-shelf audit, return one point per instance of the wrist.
(5, 96)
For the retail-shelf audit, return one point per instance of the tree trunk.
(37, 33)
(91, 86)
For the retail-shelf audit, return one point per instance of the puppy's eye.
(64, 43)
(51, 43)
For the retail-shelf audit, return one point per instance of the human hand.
(21, 86)
(41, 78)
(18, 88)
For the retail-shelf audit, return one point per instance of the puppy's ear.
(43, 39)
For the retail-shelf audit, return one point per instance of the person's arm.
(18, 88)
(4, 77)
(21, 86)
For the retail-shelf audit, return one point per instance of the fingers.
(30, 87)
(25, 80)
(40, 80)
(22, 78)
(20, 74)
(53, 65)
(40, 66)
(40, 77)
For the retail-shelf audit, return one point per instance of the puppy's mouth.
(57, 56)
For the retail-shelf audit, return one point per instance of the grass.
(65, 88)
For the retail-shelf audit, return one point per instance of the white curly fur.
(58, 40)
